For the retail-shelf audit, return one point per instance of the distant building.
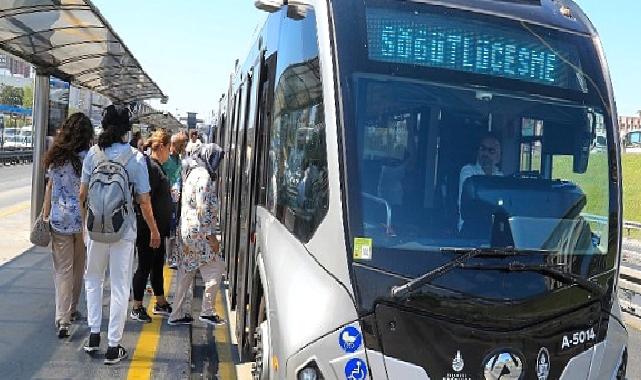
(15, 67)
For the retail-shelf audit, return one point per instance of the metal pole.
(40, 127)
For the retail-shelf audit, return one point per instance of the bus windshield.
(471, 132)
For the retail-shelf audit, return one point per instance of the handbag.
(40, 232)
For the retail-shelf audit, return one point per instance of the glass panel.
(297, 189)
(58, 104)
(432, 175)
(46, 20)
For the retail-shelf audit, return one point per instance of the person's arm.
(46, 206)
(139, 175)
(144, 200)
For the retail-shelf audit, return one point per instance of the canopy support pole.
(40, 129)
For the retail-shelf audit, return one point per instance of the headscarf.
(208, 156)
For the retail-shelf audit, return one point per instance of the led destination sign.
(474, 47)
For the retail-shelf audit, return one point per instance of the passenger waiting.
(198, 220)
(194, 141)
(151, 260)
(111, 155)
(62, 209)
(173, 169)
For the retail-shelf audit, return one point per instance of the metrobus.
(362, 235)
(633, 139)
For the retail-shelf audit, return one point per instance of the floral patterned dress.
(65, 214)
(198, 219)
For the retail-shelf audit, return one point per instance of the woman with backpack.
(151, 260)
(198, 222)
(112, 173)
(62, 209)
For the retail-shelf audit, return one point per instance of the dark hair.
(115, 124)
(193, 133)
(74, 136)
(134, 139)
(490, 135)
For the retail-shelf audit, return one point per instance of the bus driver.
(487, 160)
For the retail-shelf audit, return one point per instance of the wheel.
(260, 370)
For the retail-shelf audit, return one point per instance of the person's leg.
(121, 257)
(184, 281)
(97, 258)
(79, 261)
(157, 277)
(145, 262)
(62, 252)
(210, 273)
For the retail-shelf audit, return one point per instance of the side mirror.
(270, 6)
(583, 145)
(582, 154)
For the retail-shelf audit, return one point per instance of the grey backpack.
(109, 199)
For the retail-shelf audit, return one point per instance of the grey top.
(136, 169)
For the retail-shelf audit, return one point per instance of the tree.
(11, 95)
(27, 98)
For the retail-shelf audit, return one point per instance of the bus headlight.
(310, 372)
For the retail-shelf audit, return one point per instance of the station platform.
(30, 348)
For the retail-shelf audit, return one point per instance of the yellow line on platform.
(144, 356)
(14, 209)
(226, 366)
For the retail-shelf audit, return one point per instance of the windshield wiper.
(551, 270)
(466, 254)
(459, 262)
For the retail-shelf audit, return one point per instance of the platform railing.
(11, 157)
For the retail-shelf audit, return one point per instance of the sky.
(188, 47)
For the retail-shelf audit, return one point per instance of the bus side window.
(297, 188)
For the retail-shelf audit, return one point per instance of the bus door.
(248, 198)
(236, 187)
(228, 179)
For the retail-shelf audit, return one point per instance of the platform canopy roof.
(71, 40)
(159, 120)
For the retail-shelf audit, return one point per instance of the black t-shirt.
(161, 201)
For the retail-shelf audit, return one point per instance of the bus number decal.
(579, 337)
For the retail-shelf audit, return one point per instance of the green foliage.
(631, 186)
(27, 98)
(592, 184)
(11, 95)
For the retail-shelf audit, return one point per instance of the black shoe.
(76, 315)
(93, 343)
(186, 320)
(63, 330)
(173, 266)
(140, 314)
(212, 320)
(162, 309)
(115, 355)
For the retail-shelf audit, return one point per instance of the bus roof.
(542, 12)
